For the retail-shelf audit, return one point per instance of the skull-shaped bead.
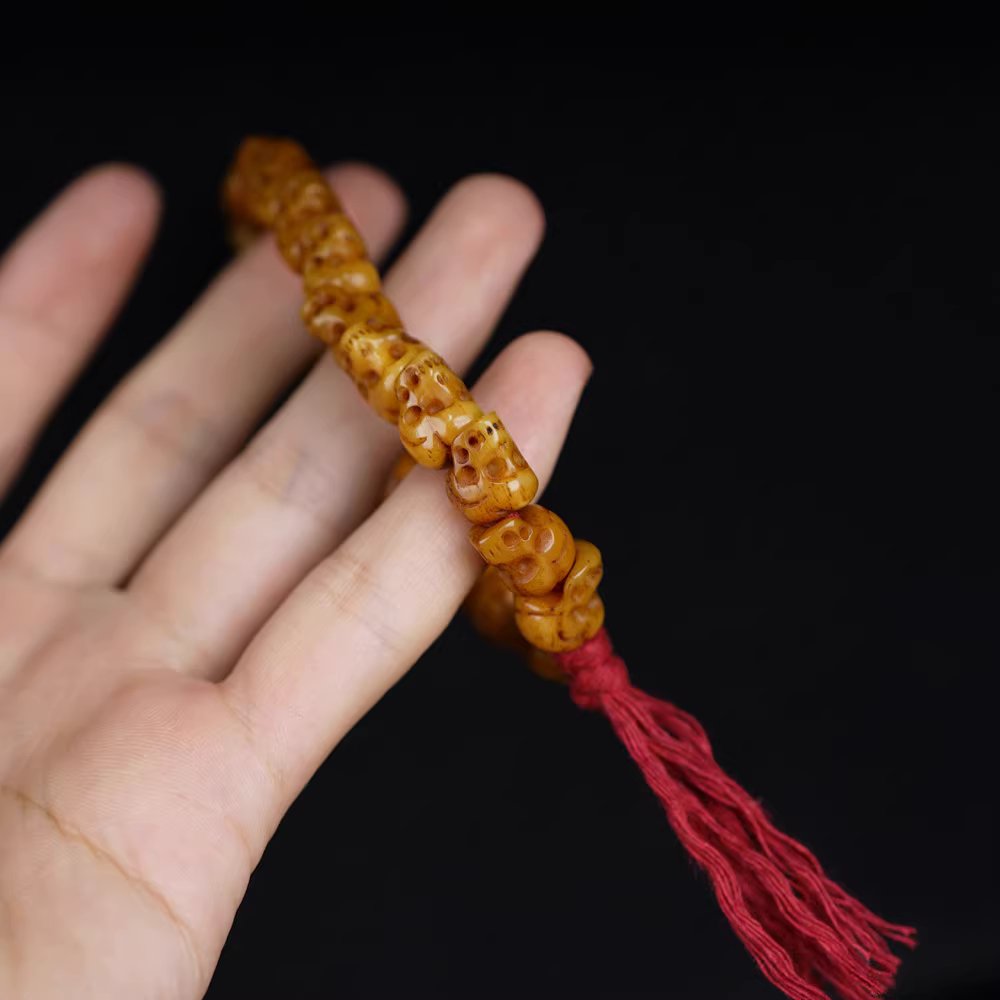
(569, 616)
(533, 549)
(434, 405)
(306, 193)
(305, 199)
(358, 275)
(354, 275)
(374, 357)
(312, 241)
(490, 607)
(489, 477)
(262, 168)
(328, 312)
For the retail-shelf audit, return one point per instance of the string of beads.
(801, 928)
(273, 184)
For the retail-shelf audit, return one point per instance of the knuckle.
(349, 585)
(170, 422)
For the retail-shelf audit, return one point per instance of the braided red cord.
(801, 928)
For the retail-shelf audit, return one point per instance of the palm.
(116, 834)
(180, 646)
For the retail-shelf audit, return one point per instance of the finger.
(314, 472)
(365, 614)
(60, 286)
(169, 426)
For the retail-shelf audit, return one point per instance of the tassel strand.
(802, 929)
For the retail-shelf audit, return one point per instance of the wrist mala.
(539, 591)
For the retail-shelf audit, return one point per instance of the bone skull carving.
(254, 187)
(328, 312)
(434, 405)
(374, 357)
(532, 550)
(569, 616)
(490, 476)
(312, 241)
(490, 607)
(305, 196)
(354, 275)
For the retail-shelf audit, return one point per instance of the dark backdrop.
(782, 258)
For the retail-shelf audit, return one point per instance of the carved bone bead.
(374, 357)
(317, 241)
(305, 198)
(328, 312)
(434, 405)
(254, 185)
(569, 616)
(490, 607)
(533, 549)
(489, 477)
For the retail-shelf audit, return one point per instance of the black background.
(782, 257)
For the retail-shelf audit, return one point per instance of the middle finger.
(314, 471)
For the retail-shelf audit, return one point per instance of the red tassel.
(802, 929)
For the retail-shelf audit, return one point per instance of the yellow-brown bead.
(434, 406)
(330, 311)
(566, 617)
(533, 549)
(312, 219)
(489, 476)
(490, 607)
(254, 185)
(374, 358)
(317, 243)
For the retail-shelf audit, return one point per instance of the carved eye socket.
(496, 468)
(544, 541)
(510, 539)
(439, 378)
(524, 569)
(461, 455)
(412, 414)
(412, 377)
(525, 532)
(475, 441)
(467, 476)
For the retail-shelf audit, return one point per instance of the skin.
(191, 613)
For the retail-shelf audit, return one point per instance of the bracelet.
(801, 928)
(554, 577)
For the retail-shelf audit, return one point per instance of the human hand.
(188, 626)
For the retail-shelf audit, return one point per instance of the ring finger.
(164, 432)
